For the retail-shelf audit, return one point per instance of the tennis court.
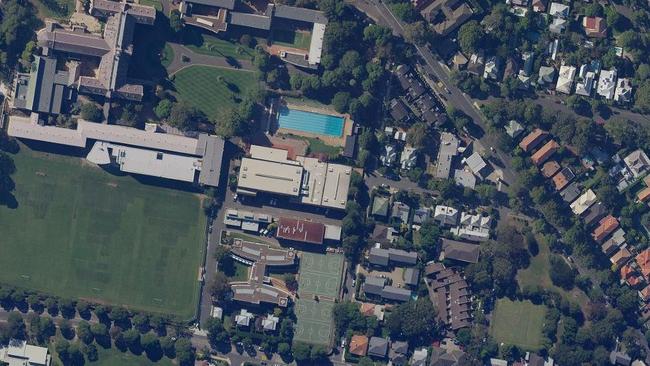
(314, 321)
(320, 274)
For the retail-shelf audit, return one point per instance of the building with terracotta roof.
(532, 140)
(300, 230)
(358, 345)
(643, 195)
(643, 260)
(606, 227)
(620, 257)
(545, 152)
(594, 26)
(629, 276)
(563, 178)
(550, 168)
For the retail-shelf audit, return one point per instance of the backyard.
(518, 323)
(212, 89)
(80, 232)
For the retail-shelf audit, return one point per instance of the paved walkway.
(180, 50)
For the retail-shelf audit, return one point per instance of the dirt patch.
(41, 174)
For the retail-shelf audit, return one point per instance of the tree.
(120, 316)
(184, 116)
(132, 340)
(17, 24)
(90, 112)
(415, 320)
(163, 108)
(67, 331)
(168, 346)
(417, 33)
(83, 309)
(26, 56)
(341, 101)
(91, 353)
(84, 332)
(417, 136)
(561, 273)
(141, 322)
(404, 11)
(301, 351)
(219, 286)
(175, 21)
(470, 36)
(185, 354)
(216, 332)
(151, 345)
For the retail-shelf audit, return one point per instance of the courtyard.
(81, 232)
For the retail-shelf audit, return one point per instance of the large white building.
(306, 180)
(565, 79)
(19, 353)
(607, 84)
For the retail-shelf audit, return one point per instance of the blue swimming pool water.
(316, 123)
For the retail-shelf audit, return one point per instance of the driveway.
(194, 58)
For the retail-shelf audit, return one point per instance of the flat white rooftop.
(269, 176)
(327, 184)
(316, 43)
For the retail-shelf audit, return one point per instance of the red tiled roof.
(594, 26)
(550, 168)
(560, 181)
(643, 260)
(545, 152)
(532, 140)
(607, 226)
(645, 293)
(633, 281)
(620, 257)
(359, 345)
(643, 194)
(367, 309)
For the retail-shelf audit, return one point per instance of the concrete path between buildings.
(195, 59)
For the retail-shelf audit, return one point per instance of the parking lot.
(396, 275)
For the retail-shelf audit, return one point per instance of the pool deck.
(329, 140)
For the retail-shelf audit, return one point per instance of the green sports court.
(320, 274)
(314, 321)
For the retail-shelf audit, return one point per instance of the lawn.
(113, 357)
(518, 323)
(213, 46)
(317, 146)
(537, 274)
(234, 270)
(80, 232)
(201, 86)
(57, 9)
(292, 38)
(155, 3)
(167, 55)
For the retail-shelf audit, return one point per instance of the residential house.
(619, 358)
(629, 276)
(561, 179)
(622, 256)
(492, 68)
(532, 140)
(645, 294)
(398, 352)
(586, 80)
(421, 215)
(459, 251)
(476, 164)
(559, 10)
(623, 92)
(643, 195)
(358, 345)
(580, 205)
(498, 362)
(416, 89)
(216, 312)
(539, 6)
(448, 148)
(607, 84)
(565, 79)
(613, 244)
(244, 318)
(378, 256)
(420, 357)
(398, 110)
(546, 75)
(606, 226)
(643, 261)
(270, 323)
(594, 27)
(465, 178)
(380, 205)
(378, 347)
(545, 152)
(637, 163)
(433, 268)
(534, 359)
(514, 129)
(389, 156)
(395, 294)
(445, 215)
(596, 212)
(476, 64)
(451, 296)
(375, 310)
(460, 61)
(400, 212)
(550, 168)
(409, 158)
(402, 257)
(373, 285)
(18, 353)
(571, 192)
(558, 25)
(473, 227)
(440, 357)
(445, 15)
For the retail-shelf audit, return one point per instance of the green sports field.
(201, 86)
(518, 323)
(79, 232)
(314, 321)
(320, 274)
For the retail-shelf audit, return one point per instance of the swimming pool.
(316, 123)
